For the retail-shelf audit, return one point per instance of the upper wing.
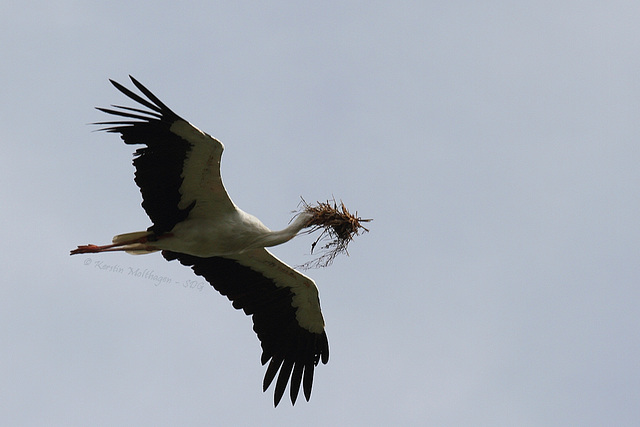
(178, 169)
(285, 308)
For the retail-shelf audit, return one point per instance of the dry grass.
(338, 227)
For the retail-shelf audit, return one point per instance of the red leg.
(92, 249)
(120, 246)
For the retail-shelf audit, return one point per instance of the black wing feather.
(160, 162)
(138, 98)
(292, 350)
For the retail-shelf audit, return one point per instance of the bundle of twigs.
(338, 227)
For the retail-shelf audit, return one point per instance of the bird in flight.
(195, 222)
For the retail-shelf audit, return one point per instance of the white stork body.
(232, 233)
(195, 222)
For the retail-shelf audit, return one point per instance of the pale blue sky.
(494, 144)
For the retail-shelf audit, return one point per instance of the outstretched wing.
(178, 169)
(285, 308)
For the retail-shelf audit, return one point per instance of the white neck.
(274, 238)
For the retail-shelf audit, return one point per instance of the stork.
(196, 222)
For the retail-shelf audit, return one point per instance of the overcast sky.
(495, 144)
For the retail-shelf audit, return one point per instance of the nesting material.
(338, 227)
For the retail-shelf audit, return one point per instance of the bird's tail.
(134, 243)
